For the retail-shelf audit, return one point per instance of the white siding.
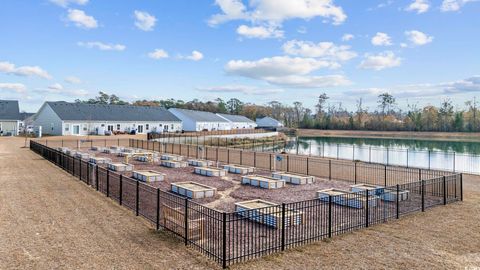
(9, 126)
(49, 121)
(93, 127)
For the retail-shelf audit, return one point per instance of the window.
(118, 126)
(172, 127)
(67, 127)
(102, 125)
(147, 126)
(160, 125)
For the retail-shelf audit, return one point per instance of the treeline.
(328, 115)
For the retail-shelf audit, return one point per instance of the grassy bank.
(440, 136)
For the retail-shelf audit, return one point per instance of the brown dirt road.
(49, 220)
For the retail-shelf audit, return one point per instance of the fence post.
(270, 161)
(254, 158)
(96, 178)
(407, 157)
(461, 187)
(88, 173)
(186, 221)
(241, 157)
(308, 166)
(158, 209)
(283, 226)
(419, 174)
(224, 241)
(108, 183)
(398, 201)
(355, 172)
(329, 216)
(329, 169)
(454, 155)
(80, 171)
(137, 199)
(423, 195)
(385, 176)
(429, 159)
(288, 164)
(444, 191)
(367, 212)
(120, 190)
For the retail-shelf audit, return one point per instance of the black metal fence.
(170, 135)
(415, 158)
(233, 237)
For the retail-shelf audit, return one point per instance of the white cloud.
(418, 38)
(158, 54)
(81, 19)
(56, 87)
(382, 39)
(195, 56)
(272, 13)
(468, 85)
(380, 61)
(347, 37)
(66, 3)
(419, 6)
(15, 87)
(326, 50)
(242, 89)
(144, 21)
(73, 80)
(302, 30)
(9, 68)
(286, 71)
(260, 32)
(102, 46)
(454, 5)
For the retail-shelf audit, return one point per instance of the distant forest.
(386, 116)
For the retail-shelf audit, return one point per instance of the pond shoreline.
(437, 136)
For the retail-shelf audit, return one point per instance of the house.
(268, 122)
(238, 121)
(199, 120)
(10, 118)
(64, 118)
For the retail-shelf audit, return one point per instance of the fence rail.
(232, 237)
(152, 136)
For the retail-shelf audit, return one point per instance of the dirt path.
(48, 220)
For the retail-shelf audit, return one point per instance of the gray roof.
(9, 110)
(235, 118)
(25, 115)
(200, 116)
(268, 122)
(104, 112)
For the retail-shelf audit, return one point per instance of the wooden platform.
(238, 169)
(99, 160)
(268, 213)
(148, 176)
(173, 164)
(200, 162)
(294, 178)
(120, 167)
(391, 195)
(210, 171)
(263, 181)
(193, 190)
(171, 157)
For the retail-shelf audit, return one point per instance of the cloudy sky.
(421, 51)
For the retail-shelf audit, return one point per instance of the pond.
(434, 154)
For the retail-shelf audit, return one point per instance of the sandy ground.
(49, 220)
(440, 136)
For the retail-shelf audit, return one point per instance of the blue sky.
(256, 50)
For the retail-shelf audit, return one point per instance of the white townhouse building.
(238, 121)
(200, 121)
(10, 118)
(64, 118)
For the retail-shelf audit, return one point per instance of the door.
(110, 128)
(76, 130)
(140, 129)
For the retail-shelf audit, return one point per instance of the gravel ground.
(48, 220)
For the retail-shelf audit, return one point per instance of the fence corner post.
(461, 187)
(137, 199)
(224, 241)
(329, 216)
(186, 221)
(96, 178)
(423, 195)
(444, 190)
(367, 212)
(108, 183)
(120, 190)
(158, 209)
(397, 200)
(283, 226)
